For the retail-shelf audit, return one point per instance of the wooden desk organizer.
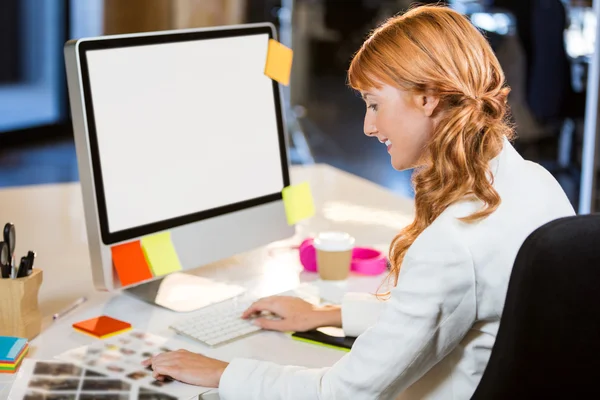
(19, 312)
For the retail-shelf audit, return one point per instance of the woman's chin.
(404, 164)
(400, 166)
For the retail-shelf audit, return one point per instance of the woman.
(435, 96)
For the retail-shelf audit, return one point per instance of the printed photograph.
(133, 362)
(103, 396)
(146, 394)
(127, 352)
(115, 368)
(109, 357)
(149, 339)
(138, 375)
(49, 396)
(54, 384)
(105, 385)
(93, 374)
(124, 340)
(56, 369)
(158, 383)
(139, 335)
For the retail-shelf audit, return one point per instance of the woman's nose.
(369, 127)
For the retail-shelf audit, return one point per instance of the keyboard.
(219, 323)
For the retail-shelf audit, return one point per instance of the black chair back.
(548, 343)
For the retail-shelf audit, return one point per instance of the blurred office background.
(545, 46)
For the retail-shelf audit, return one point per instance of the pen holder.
(19, 312)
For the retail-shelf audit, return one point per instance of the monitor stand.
(183, 292)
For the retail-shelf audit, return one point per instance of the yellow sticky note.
(298, 202)
(160, 253)
(279, 62)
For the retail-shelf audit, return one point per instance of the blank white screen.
(184, 127)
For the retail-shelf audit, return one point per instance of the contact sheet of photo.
(121, 358)
(59, 380)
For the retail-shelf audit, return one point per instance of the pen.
(70, 308)
(31, 258)
(23, 269)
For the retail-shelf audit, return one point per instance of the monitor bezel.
(108, 237)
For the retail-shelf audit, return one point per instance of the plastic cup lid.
(334, 241)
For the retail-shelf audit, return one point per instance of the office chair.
(548, 343)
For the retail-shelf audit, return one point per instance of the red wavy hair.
(435, 50)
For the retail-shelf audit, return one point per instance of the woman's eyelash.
(373, 107)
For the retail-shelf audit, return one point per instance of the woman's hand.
(188, 367)
(294, 314)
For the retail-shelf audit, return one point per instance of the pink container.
(365, 260)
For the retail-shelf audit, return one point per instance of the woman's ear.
(427, 104)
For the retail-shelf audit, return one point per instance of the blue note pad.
(10, 347)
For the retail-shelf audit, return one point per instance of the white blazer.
(432, 339)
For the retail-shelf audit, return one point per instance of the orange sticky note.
(130, 263)
(279, 62)
(102, 327)
(298, 202)
(160, 253)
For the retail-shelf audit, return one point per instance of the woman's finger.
(157, 375)
(167, 371)
(257, 307)
(169, 355)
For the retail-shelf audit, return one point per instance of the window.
(32, 89)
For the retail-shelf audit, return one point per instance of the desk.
(49, 220)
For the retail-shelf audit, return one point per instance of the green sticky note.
(160, 254)
(298, 202)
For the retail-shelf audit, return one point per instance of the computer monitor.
(178, 131)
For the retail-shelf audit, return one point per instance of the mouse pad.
(320, 338)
